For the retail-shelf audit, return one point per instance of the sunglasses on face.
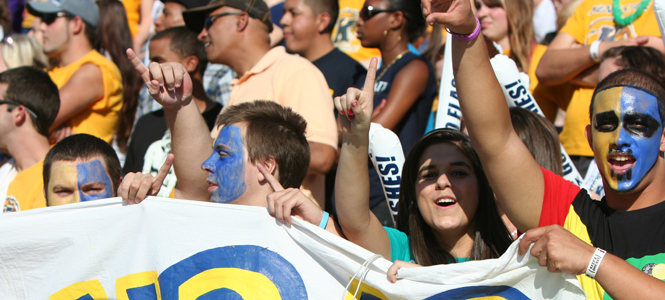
(212, 18)
(32, 113)
(50, 18)
(369, 12)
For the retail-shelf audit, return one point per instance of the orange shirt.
(294, 82)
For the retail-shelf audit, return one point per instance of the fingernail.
(177, 85)
(354, 103)
(350, 112)
(351, 118)
(431, 23)
(342, 112)
(424, 11)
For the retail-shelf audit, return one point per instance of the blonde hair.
(566, 12)
(520, 29)
(21, 50)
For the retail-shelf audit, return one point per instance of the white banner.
(448, 112)
(176, 249)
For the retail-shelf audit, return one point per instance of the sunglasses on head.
(32, 113)
(369, 12)
(212, 18)
(50, 18)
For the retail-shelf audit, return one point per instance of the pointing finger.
(371, 75)
(163, 171)
(274, 183)
(138, 66)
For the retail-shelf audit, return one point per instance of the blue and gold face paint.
(226, 166)
(74, 181)
(626, 131)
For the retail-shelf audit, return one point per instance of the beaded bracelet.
(467, 37)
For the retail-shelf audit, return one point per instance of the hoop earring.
(385, 32)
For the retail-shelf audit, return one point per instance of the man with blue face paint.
(227, 166)
(80, 168)
(618, 242)
(627, 127)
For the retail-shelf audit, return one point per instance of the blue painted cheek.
(92, 171)
(229, 171)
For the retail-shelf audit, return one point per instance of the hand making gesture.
(357, 105)
(456, 15)
(286, 202)
(168, 83)
(135, 187)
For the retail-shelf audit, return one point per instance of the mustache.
(617, 152)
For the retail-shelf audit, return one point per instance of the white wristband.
(592, 269)
(594, 51)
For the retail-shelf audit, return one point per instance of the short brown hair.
(34, 89)
(84, 147)
(273, 131)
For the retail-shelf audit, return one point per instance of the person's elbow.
(322, 158)
(545, 74)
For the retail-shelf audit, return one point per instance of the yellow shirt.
(593, 20)
(26, 191)
(101, 117)
(344, 33)
(133, 7)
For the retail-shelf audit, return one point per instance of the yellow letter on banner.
(249, 285)
(363, 289)
(77, 290)
(131, 281)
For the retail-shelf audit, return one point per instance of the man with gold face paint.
(616, 246)
(80, 168)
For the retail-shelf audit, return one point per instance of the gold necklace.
(391, 64)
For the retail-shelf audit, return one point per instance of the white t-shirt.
(544, 20)
(7, 173)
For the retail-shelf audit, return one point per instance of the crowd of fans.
(109, 98)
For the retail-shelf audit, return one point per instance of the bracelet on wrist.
(467, 37)
(594, 51)
(592, 269)
(324, 220)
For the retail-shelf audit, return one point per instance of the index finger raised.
(164, 170)
(371, 75)
(138, 65)
(274, 183)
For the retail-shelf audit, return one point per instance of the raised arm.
(510, 168)
(170, 85)
(357, 221)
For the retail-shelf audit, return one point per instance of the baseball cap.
(189, 4)
(86, 9)
(257, 9)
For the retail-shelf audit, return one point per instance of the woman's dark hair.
(114, 38)
(415, 23)
(491, 238)
(540, 137)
